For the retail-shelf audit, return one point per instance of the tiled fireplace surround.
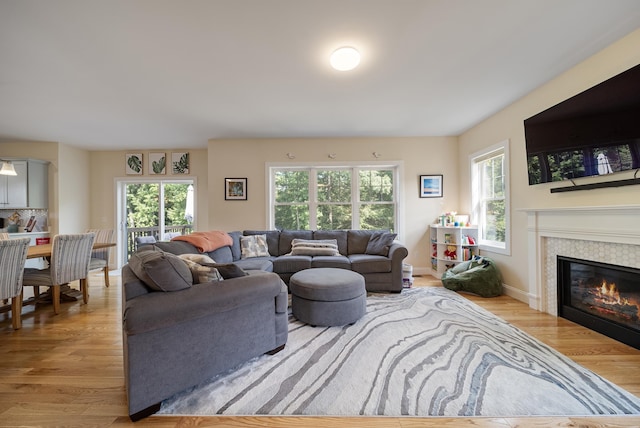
(608, 234)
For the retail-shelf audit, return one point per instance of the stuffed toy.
(450, 253)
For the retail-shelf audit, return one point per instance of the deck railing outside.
(134, 232)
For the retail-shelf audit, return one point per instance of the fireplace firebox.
(600, 296)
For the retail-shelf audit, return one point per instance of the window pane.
(334, 186)
(376, 186)
(494, 227)
(334, 217)
(293, 217)
(334, 205)
(175, 203)
(292, 186)
(143, 205)
(378, 216)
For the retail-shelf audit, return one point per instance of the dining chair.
(100, 257)
(13, 255)
(70, 256)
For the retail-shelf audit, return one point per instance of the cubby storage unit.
(451, 245)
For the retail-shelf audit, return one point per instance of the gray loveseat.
(177, 334)
(368, 252)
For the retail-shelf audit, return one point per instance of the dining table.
(44, 250)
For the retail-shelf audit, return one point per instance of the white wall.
(248, 158)
(508, 124)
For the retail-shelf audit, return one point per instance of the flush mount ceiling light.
(345, 58)
(7, 168)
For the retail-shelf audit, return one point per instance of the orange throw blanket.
(206, 241)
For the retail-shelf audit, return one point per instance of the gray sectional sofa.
(180, 334)
(177, 333)
(380, 264)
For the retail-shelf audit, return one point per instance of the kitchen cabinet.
(28, 189)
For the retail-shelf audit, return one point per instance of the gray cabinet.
(28, 189)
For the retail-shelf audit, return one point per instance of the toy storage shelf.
(451, 245)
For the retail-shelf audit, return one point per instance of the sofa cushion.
(273, 239)
(236, 252)
(379, 243)
(256, 263)
(161, 271)
(339, 235)
(290, 264)
(314, 247)
(176, 247)
(223, 254)
(341, 262)
(366, 263)
(254, 246)
(287, 236)
(357, 240)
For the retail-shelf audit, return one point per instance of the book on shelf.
(448, 238)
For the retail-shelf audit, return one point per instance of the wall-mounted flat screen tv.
(596, 132)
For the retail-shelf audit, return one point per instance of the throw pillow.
(230, 270)
(161, 271)
(200, 272)
(197, 258)
(253, 246)
(379, 243)
(316, 247)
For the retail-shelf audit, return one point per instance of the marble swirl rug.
(424, 352)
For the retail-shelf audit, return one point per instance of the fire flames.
(609, 293)
(609, 300)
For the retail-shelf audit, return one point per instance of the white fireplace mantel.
(614, 224)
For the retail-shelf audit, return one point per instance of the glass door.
(156, 209)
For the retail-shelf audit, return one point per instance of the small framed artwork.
(431, 186)
(180, 163)
(235, 189)
(157, 163)
(133, 164)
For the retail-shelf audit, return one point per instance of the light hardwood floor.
(66, 370)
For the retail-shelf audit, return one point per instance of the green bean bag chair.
(479, 275)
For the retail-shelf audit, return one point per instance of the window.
(334, 197)
(490, 194)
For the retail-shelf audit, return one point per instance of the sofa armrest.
(157, 310)
(397, 253)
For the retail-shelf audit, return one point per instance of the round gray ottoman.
(328, 296)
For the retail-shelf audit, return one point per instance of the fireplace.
(601, 296)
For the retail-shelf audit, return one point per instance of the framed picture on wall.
(235, 189)
(133, 164)
(157, 163)
(180, 163)
(431, 186)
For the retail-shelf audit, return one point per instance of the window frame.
(355, 168)
(475, 161)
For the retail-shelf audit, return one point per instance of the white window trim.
(475, 190)
(398, 189)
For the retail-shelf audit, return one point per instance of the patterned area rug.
(424, 352)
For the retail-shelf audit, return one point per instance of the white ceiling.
(145, 74)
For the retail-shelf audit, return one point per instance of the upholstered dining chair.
(100, 257)
(13, 255)
(70, 255)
